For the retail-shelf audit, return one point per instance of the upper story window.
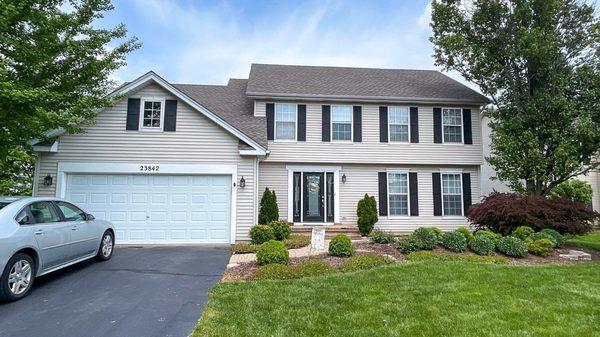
(452, 194)
(452, 125)
(152, 114)
(398, 123)
(285, 121)
(341, 123)
(398, 193)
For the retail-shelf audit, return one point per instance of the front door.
(313, 197)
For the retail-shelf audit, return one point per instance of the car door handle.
(74, 228)
(39, 232)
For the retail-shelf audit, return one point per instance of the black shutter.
(437, 194)
(383, 124)
(437, 125)
(301, 122)
(357, 123)
(383, 193)
(326, 123)
(270, 121)
(413, 188)
(466, 186)
(468, 132)
(414, 124)
(133, 114)
(296, 195)
(170, 115)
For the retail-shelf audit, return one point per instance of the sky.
(208, 42)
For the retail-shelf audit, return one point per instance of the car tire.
(17, 278)
(107, 246)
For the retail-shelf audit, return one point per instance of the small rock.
(231, 265)
(576, 255)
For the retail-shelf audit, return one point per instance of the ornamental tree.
(539, 62)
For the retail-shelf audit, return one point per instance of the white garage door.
(157, 208)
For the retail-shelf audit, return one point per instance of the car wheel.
(107, 245)
(17, 278)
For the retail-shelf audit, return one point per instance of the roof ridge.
(344, 67)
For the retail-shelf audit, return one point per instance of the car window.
(70, 212)
(43, 212)
(3, 204)
(22, 218)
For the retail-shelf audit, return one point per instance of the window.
(398, 123)
(452, 193)
(341, 123)
(22, 218)
(285, 121)
(452, 123)
(152, 114)
(43, 212)
(70, 212)
(398, 193)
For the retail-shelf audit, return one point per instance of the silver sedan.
(40, 235)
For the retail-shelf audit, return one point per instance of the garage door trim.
(150, 168)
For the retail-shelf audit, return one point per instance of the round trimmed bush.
(482, 245)
(272, 252)
(454, 241)
(489, 234)
(409, 244)
(522, 232)
(281, 229)
(427, 236)
(438, 232)
(559, 239)
(542, 235)
(541, 247)
(260, 234)
(466, 232)
(512, 246)
(340, 246)
(381, 237)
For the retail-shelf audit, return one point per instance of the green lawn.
(591, 240)
(414, 299)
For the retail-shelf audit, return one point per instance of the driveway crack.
(156, 272)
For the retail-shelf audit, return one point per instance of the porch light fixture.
(242, 182)
(344, 178)
(48, 180)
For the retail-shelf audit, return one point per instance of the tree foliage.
(575, 190)
(16, 173)
(269, 211)
(539, 62)
(366, 211)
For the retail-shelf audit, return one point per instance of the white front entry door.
(157, 208)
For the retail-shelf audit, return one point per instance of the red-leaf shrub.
(504, 212)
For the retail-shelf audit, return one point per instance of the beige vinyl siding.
(371, 150)
(363, 179)
(197, 140)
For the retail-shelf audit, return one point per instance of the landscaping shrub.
(408, 244)
(482, 245)
(558, 238)
(541, 247)
(297, 241)
(466, 232)
(281, 229)
(312, 268)
(244, 248)
(272, 252)
(512, 246)
(366, 211)
(341, 246)
(427, 236)
(542, 235)
(455, 241)
(522, 232)
(274, 272)
(260, 234)
(489, 234)
(432, 256)
(504, 212)
(382, 237)
(269, 211)
(438, 232)
(575, 190)
(366, 261)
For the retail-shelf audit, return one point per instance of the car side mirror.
(89, 217)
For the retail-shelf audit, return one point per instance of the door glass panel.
(297, 191)
(329, 197)
(313, 188)
(70, 212)
(43, 212)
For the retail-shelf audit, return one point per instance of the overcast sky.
(208, 42)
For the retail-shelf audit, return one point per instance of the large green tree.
(55, 67)
(539, 62)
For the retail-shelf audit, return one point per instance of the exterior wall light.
(242, 182)
(344, 178)
(48, 180)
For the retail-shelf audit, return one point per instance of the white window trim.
(398, 216)
(462, 193)
(351, 125)
(162, 114)
(408, 124)
(462, 127)
(295, 124)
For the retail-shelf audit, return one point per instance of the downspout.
(36, 175)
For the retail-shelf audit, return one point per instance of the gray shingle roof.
(231, 104)
(360, 83)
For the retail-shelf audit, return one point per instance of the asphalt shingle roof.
(342, 82)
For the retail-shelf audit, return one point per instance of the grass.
(426, 298)
(591, 240)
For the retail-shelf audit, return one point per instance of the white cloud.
(425, 18)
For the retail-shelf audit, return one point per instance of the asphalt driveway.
(149, 291)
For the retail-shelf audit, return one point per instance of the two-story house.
(183, 163)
